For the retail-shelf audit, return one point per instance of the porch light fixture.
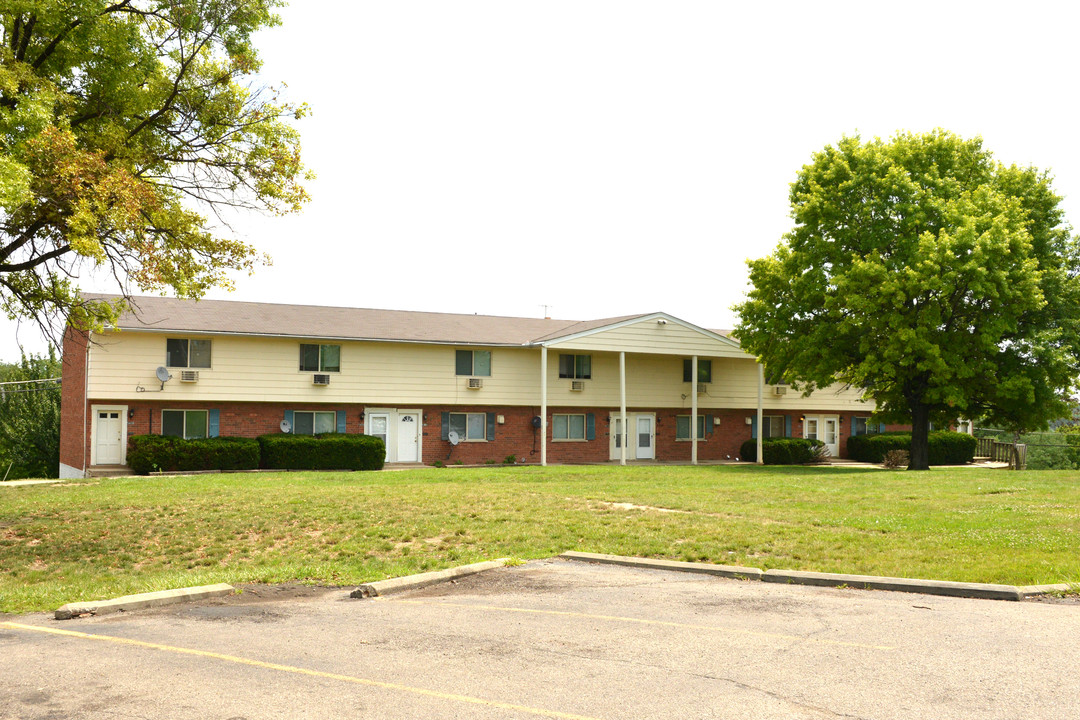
(661, 321)
(749, 420)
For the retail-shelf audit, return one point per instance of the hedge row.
(946, 447)
(783, 451)
(331, 451)
(158, 453)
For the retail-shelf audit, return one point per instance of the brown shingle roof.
(314, 321)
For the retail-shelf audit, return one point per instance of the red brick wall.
(74, 451)
(514, 436)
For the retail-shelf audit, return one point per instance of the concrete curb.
(795, 577)
(1036, 590)
(414, 582)
(728, 571)
(142, 600)
(873, 582)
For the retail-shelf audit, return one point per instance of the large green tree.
(129, 131)
(941, 281)
(30, 418)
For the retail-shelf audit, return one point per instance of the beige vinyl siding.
(650, 337)
(251, 369)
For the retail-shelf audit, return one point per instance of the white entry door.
(644, 438)
(830, 435)
(618, 437)
(109, 436)
(826, 429)
(408, 437)
(378, 425)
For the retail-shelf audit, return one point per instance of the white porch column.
(693, 410)
(760, 410)
(543, 405)
(622, 408)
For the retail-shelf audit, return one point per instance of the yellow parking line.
(640, 621)
(300, 671)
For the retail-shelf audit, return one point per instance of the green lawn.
(96, 539)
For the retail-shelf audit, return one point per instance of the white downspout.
(543, 405)
(622, 407)
(693, 410)
(760, 410)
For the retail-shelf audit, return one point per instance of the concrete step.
(108, 471)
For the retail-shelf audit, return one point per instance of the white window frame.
(185, 411)
(322, 367)
(767, 420)
(575, 373)
(313, 413)
(702, 364)
(187, 353)
(472, 363)
(584, 427)
(701, 421)
(466, 437)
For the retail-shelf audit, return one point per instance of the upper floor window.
(320, 358)
(576, 367)
(473, 362)
(184, 353)
(704, 370)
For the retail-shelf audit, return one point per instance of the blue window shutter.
(446, 426)
(590, 426)
(341, 421)
(753, 426)
(213, 423)
(787, 426)
(491, 426)
(853, 429)
(289, 419)
(708, 424)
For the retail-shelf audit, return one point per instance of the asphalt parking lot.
(553, 639)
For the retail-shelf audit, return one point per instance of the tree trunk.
(920, 437)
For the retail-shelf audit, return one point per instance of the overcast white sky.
(610, 157)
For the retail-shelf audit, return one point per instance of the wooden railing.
(1013, 453)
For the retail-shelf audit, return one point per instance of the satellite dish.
(163, 374)
(285, 426)
(453, 437)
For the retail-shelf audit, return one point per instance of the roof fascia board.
(639, 319)
(230, 333)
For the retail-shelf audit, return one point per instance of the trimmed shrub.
(946, 447)
(330, 451)
(158, 453)
(784, 451)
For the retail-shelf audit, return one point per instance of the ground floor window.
(313, 423)
(568, 427)
(772, 426)
(682, 427)
(858, 426)
(187, 424)
(469, 426)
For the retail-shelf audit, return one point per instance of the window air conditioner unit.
(577, 385)
(779, 390)
(320, 379)
(475, 383)
(189, 376)
(702, 388)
